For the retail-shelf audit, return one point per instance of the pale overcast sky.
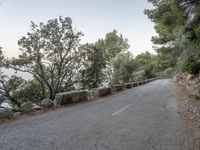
(94, 18)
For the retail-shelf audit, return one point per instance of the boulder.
(47, 103)
(190, 76)
(70, 97)
(27, 107)
(6, 113)
(36, 107)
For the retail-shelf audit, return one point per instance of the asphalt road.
(142, 118)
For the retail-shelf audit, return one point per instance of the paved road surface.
(143, 118)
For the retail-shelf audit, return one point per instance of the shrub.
(168, 72)
(191, 65)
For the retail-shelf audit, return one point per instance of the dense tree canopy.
(50, 53)
(93, 76)
(113, 45)
(123, 67)
(177, 25)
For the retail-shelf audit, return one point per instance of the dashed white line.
(121, 110)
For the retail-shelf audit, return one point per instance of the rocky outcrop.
(190, 83)
(47, 103)
(6, 113)
(70, 97)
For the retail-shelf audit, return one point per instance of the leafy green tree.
(92, 76)
(30, 91)
(50, 53)
(177, 26)
(146, 66)
(113, 45)
(16, 91)
(123, 67)
(9, 88)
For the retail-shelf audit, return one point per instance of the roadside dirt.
(189, 112)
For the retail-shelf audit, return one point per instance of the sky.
(94, 18)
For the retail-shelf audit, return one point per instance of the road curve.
(142, 118)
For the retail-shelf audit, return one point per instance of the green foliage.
(50, 53)
(113, 45)
(146, 66)
(92, 75)
(168, 72)
(191, 65)
(177, 26)
(123, 67)
(16, 90)
(9, 89)
(30, 91)
(139, 75)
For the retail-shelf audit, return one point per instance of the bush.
(191, 65)
(168, 72)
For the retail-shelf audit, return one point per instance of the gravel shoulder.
(189, 111)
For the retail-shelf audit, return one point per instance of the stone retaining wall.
(70, 97)
(117, 88)
(128, 85)
(104, 91)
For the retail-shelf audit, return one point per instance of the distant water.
(6, 105)
(10, 72)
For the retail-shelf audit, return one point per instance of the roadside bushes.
(191, 65)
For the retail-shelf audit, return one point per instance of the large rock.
(6, 113)
(70, 97)
(27, 107)
(46, 103)
(190, 76)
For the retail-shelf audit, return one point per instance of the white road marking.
(121, 110)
